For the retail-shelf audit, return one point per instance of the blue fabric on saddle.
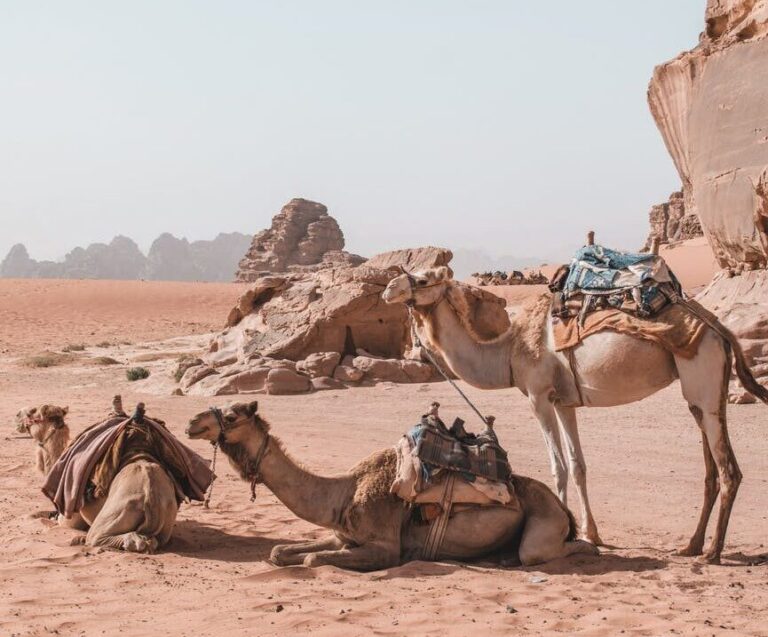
(599, 277)
(474, 456)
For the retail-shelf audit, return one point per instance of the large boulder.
(286, 381)
(319, 364)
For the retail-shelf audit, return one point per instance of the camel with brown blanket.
(371, 528)
(136, 514)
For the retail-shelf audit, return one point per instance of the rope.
(418, 343)
(207, 500)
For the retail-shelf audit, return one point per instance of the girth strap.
(439, 526)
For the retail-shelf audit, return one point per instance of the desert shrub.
(105, 360)
(136, 373)
(74, 347)
(47, 359)
(104, 344)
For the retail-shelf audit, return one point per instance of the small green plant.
(137, 373)
(105, 360)
(74, 347)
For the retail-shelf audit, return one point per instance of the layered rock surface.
(671, 223)
(328, 328)
(711, 106)
(303, 237)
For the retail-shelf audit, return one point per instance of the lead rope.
(207, 500)
(417, 342)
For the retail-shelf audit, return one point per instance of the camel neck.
(483, 365)
(313, 498)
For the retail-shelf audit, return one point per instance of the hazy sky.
(505, 125)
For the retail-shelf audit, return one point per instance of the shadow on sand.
(195, 539)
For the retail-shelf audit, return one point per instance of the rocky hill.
(303, 237)
(169, 259)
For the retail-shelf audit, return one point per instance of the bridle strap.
(256, 462)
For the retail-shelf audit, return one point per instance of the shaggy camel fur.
(612, 369)
(137, 514)
(50, 432)
(370, 527)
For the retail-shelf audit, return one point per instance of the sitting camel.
(371, 527)
(138, 512)
(613, 369)
(50, 432)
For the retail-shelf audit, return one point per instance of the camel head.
(24, 419)
(418, 289)
(48, 420)
(226, 424)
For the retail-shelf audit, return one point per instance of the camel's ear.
(252, 408)
(443, 273)
(64, 411)
(32, 411)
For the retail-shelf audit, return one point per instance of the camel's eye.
(421, 281)
(230, 418)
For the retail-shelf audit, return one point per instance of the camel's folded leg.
(115, 526)
(292, 554)
(75, 522)
(544, 540)
(368, 557)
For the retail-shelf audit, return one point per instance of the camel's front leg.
(292, 554)
(368, 557)
(578, 466)
(545, 414)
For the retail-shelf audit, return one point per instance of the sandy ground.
(645, 476)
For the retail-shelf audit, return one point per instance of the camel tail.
(744, 373)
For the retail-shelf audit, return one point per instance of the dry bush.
(136, 373)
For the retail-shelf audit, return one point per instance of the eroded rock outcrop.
(303, 237)
(329, 328)
(671, 223)
(710, 106)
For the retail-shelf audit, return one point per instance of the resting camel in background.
(138, 512)
(613, 369)
(370, 526)
(48, 430)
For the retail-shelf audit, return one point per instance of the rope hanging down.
(418, 343)
(207, 500)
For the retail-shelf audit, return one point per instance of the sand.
(645, 477)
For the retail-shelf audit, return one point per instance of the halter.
(255, 463)
(413, 284)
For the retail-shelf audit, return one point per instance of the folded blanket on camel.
(634, 294)
(88, 466)
(429, 451)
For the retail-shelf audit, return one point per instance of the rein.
(418, 343)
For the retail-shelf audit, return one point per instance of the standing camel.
(370, 526)
(613, 369)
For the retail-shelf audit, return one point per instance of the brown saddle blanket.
(674, 328)
(90, 463)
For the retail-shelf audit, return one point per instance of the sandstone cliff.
(711, 106)
(303, 237)
(671, 223)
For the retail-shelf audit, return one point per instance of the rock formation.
(322, 330)
(671, 223)
(710, 105)
(169, 259)
(303, 238)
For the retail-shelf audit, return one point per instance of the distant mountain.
(169, 259)
(466, 262)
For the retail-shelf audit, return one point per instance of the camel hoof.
(708, 558)
(688, 551)
(77, 541)
(276, 555)
(312, 560)
(137, 543)
(593, 537)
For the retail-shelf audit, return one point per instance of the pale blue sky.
(506, 125)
